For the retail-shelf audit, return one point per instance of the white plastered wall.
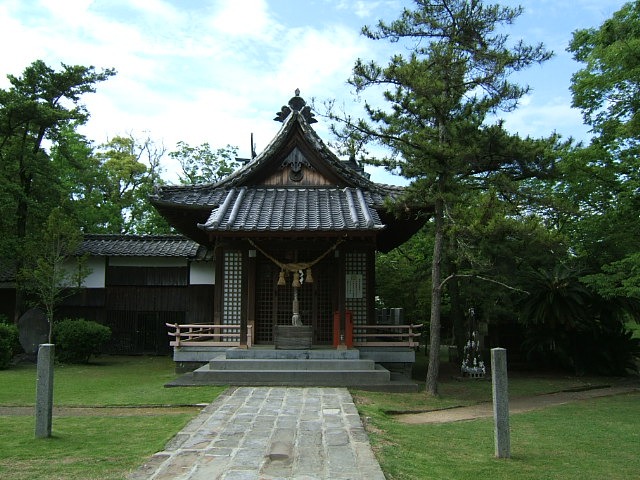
(202, 273)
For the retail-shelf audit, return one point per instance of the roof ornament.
(296, 104)
(295, 161)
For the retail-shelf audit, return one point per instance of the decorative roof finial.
(296, 104)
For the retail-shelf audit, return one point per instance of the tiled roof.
(213, 194)
(206, 195)
(332, 197)
(256, 209)
(139, 246)
(296, 119)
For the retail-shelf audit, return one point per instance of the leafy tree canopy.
(39, 106)
(607, 88)
(201, 164)
(604, 177)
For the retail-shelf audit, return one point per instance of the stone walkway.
(270, 433)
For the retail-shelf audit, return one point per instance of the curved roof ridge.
(259, 159)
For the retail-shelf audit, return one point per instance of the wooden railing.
(386, 335)
(207, 335)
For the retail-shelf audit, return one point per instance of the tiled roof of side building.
(139, 246)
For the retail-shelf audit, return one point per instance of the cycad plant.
(570, 326)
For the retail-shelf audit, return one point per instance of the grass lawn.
(83, 448)
(105, 446)
(594, 439)
(106, 381)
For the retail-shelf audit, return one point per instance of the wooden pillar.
(249, 313)
(219, 286)
(371, 285)
(342, 297)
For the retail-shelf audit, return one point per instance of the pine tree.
(442, 127)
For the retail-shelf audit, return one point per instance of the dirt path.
(516, 405)
(104, 411)
(456, 414)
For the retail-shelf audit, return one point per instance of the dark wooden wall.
(136, 304)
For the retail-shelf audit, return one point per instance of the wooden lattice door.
(274, 303)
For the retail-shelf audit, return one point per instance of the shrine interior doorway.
(316, 298)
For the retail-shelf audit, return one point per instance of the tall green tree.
(607, 91)
(82, 181)
(443, 94)
(607, 87)
(33, 112)
(129, 169)
(201, 164)
(106, 188)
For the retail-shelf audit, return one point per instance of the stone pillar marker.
(500, 402)
(44, 390)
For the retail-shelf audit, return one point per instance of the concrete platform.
(308, 367)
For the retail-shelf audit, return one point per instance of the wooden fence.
(207, 335)
(387, 335)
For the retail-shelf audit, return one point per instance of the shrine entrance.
(274, 302)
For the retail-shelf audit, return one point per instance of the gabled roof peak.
(296, 104)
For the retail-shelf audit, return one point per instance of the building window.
(232, 291)
(356, 286)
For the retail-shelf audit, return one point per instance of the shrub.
(9, 344)
(77, 339)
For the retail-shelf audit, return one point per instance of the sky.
(217, 71)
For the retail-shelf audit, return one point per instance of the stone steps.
(308, 367)
(251, 364)
(275, 375)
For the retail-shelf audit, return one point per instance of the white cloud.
(246, 19)
(537, 117)
(318, 60)
(368, 9)
(215, 71)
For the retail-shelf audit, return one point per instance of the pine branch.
(479, 277)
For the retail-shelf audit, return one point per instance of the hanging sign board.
(354, 285)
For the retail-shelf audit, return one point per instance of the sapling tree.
(53, 270)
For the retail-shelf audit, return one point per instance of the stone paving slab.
(269, 433)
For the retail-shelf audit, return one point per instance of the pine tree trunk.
(457, 312)
(436, 300)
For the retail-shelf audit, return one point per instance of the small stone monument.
(44, 390)
(33, 328)
(500, 390)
